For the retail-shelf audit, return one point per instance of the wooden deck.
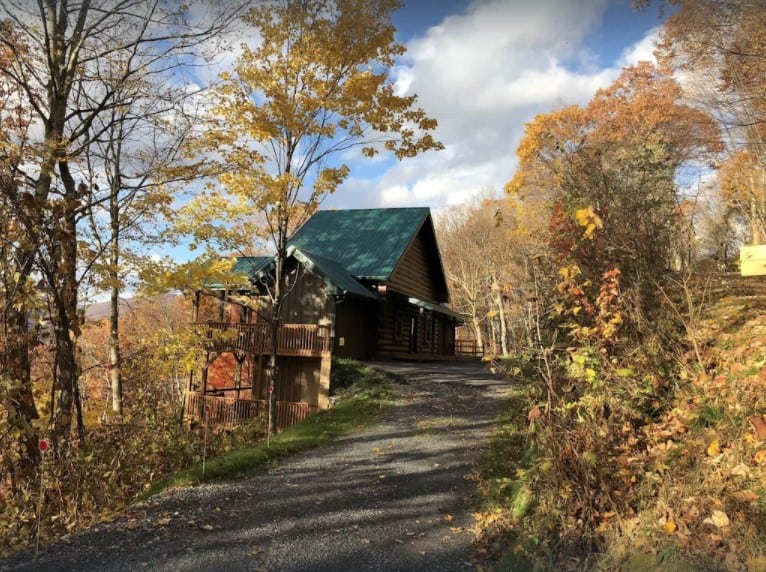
(229, 412)
(299, 340)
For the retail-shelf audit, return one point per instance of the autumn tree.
(132, 168)
(742, 181)
(156, 348)
(62, 77)
(18, 295)
(465, 269)
(720, 48)
(315, 87)
(610, 167)
(490, 254)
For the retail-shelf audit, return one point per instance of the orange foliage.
(723, 44)
(147, 330)
(737, 176)
(615, 162)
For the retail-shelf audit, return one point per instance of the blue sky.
(483, 69)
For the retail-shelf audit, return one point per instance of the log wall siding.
(356, 324)
(301, 380)
(415, 272)
(304, 380)
(307, 302)
(397, 314)
(388, 343)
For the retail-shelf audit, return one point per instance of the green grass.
(358, 405)
(508, 453)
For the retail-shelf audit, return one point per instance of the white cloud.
(641, 51)
(483, 74)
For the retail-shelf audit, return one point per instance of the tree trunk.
(64, 380)
(65, 293)
(503, 326)
(273, 370)
(115, 373)
(78, 412)
(493, 335)
(115, 362)
(15, 365)
(62, 237)
(477, 332)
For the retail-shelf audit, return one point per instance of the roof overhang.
(335, 277)
(438, 308)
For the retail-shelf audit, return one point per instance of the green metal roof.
(251, 266)
(368, 243)
(330, 271)
(333, 273)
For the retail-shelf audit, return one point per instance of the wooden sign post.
(268, 425)
(44, 448)
(206, 410)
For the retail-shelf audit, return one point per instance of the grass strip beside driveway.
(357, 406)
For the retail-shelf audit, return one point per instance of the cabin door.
(413, 349)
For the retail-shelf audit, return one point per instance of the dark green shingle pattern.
(368, 243)
(251, 265)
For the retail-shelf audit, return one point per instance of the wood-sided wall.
(406, 330)
(356, 328)
(419, 272)
(307, 301)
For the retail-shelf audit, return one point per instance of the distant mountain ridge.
(101, 310)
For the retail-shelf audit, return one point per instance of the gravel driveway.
(395, 496)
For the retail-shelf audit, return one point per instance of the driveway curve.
(395, 496)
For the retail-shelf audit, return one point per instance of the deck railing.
(303, 340)
(229, 412)
(468, 348)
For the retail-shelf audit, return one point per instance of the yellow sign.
(752, 260)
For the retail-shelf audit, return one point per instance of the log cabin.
(363, 284)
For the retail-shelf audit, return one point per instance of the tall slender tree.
(18, 297)
(137, 160)
(315, 86)
(61, 74)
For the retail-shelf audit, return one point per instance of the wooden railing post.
(229, 412)
(308, 340)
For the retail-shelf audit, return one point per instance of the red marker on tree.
(43, 445)
(271, 389)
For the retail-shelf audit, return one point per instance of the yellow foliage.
(314, 87)
(669, 527)
(738, 176)
(588, 219)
